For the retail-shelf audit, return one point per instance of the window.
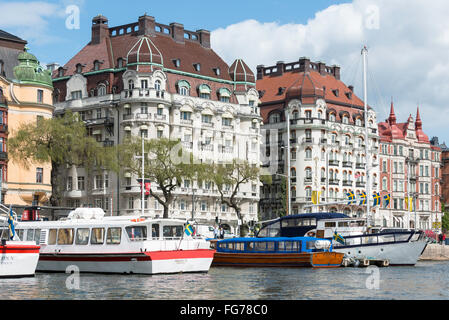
(332, 117)
(69, 183)
(82, 237)
(155, 231)
(227, 122)
(39, 175)
(172, 231)
(186, 115)
(52, 236)
(144, 84)
(184, 91)
(96, 65)
(160, 133)
(76, 95)
(119, 63)
(101, 90)
(157, 85)
(274, 118)
(131, 203)
(114, 236)
(40, 96)
(227, 99)
(206, 118)
(97, 236)
(65, 236)
(99, 181)
(130, 85)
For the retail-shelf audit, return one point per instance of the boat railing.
(379, 238)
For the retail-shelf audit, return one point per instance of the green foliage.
(445, 218)
(166, 164)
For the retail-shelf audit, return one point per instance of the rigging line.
(380, 97)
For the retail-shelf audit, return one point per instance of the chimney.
(322, 68)
(177, 31)
(146, 25)
(336, 71)
(280, 67)
(204, 38)
(260, 69)
(305, 64)
(100, 29)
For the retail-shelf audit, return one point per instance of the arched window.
(308, 153)
(332, 117)
(101, 90)
(345, 119)
(157, 85)
(320, 115)
(204, 91)
(308, 192)
(183, 88)
(308, 173)
(358, 122)
(323, 173)
(274, 118)
(293, 172)
(295, 114)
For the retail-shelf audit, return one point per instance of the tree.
(166, 164)
(444, 218)
(61, 141)
(229, 178)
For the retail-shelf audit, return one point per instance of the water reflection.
(427, 280)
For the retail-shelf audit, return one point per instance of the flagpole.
(367, 164)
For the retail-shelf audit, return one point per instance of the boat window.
(5, 234)
(329, 224)
(37, 236)
(97, 236)
(401, 237)
(155, 231)
(270, 246)
(114, 236)
(240, 246)
(250, 246)
(30, 235)
(312, 221)
(52, 236)
(343, 224)
(231, 245)
(173, 231)
(137, 233)
(65, 236)
(82, 237)
(306, 222)
(310, 245)
(261, 246)
(385, 238)
(19, 233)
(272, 230)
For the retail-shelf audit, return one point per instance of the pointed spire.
(392, 117)
(418, 122)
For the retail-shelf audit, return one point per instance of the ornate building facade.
(327, 138)
(25, 96)
(156, 80)
(410, 168)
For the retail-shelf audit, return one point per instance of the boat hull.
(18, 260)
(398, 253)
(153, 262)
(305, 259)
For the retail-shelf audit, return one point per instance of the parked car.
(204, 230)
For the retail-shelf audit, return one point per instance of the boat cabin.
(344, 226)
(274, 245)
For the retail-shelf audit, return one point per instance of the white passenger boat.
(17, 258)
(123, 244)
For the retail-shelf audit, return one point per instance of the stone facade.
(157, 80)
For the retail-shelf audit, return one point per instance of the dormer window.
(79, 68)
(2, 68)
(101, 90)
(120, 63)
(60, 72)
(224, 95)
(204, 91)
(183, 88)
(177, 62)
(281, 90)
(217, 71)
(97, 65)
(332, 117)
(197, 67)
(336, 92)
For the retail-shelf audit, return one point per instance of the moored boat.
(17, 258)
(124, 244)
(276, 252)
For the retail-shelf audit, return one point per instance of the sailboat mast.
(367, 164)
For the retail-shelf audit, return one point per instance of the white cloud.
(408, 45)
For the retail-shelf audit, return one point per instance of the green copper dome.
(30, 71)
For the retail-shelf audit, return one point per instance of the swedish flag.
(376, 197)
(339, 238)
(190, 230)
(12, 231)
(351, 197)
(387, 200)
(362, 198)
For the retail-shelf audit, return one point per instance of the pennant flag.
(12, 231)
(376, 197)
(387, 200)
(190, 230)
(351, 197)
(339, 238)
(363, 198)
(316, 197)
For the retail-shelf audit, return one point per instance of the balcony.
(334, 182)
(307, 180)
(3, 155)
(143, 116)
(347, 164)
(307, 140)
(360, 184)
(160, 117)
(207, 147)
(99, 121)
(347, 183)
(360, 165)
(334, 163)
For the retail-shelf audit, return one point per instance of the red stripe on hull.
(117, 257)
(18, 249)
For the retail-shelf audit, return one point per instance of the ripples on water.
(427, 280)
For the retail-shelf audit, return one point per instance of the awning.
(160, 127)
(186, 109)
(227, 115)
(183, 83)
(96, 132)
(224, 92)
(160, 106)
(127, 128)
(207, 112)
(127, 175)
(204, 88)
(126, 106)
(144, 127)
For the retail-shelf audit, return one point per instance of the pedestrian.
(221, 233)
(216, 232)
(440, 238)
(444, 238)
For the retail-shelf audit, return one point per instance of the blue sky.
(408, 41)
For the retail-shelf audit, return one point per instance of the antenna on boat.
(367, 157)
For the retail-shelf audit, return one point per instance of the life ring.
(310, 234)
